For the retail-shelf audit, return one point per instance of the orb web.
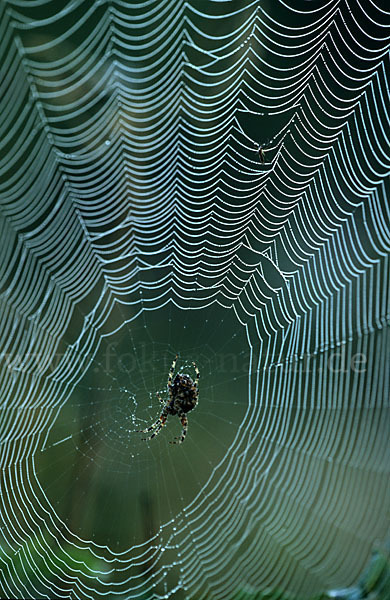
(208, 179)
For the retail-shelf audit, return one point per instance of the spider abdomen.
(184, 393)
(183, 397)
(185, 404)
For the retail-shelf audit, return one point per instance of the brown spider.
(261, 152)
(183, 397)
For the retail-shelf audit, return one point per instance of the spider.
(183, 397)
(261, 152)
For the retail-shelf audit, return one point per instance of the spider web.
(138, 222)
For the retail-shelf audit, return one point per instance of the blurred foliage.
(40, 559)
(374, 584)
(28, 567)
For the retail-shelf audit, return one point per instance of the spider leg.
(149, 428)
(157, 426)
(159, 397)
(170, 375)
(197, 375)
(184, 422)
